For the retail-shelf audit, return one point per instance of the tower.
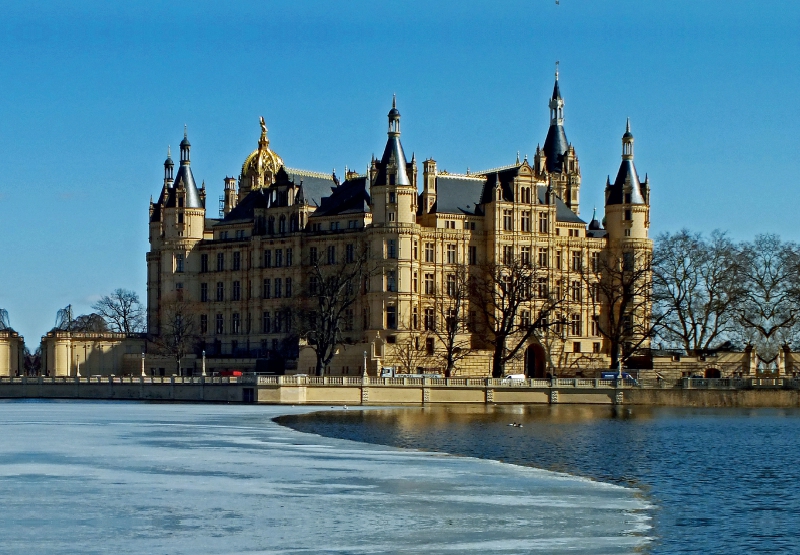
(561, 166)
(628, 200)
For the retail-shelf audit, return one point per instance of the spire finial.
(628, 125)
(518, 157)
(556, 70)
(394, 100)
(185, 131)
(169, 151)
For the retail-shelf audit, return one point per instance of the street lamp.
(143, 374)
(204, 363)
(78, 364)
(365, 364)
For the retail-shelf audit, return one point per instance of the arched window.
(282, 225)
(271, 225)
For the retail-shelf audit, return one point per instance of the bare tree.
(327, 300)
(178, 333)
(697, 285)
(410, 353)
(622, 283)
(452, 320)
(85, 323)
(769, 311)
(122, 311)
(5, 323)
(510, 313)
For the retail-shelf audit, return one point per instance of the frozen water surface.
(95, 477)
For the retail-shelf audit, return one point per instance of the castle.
(239, 274)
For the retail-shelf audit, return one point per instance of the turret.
(428, 185)
(627, 199)
(230, 195)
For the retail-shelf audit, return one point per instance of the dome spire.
(394, 118)
(627, 142)
(186, 146)
(168, 167)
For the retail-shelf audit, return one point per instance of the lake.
(718, 480)
(125, 477)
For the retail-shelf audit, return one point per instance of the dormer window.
(180, 202)
(392, 198)
(628, 197)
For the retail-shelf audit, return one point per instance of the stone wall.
(11, 353)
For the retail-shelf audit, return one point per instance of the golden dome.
(262, 162)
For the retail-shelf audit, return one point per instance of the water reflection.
(727, 472)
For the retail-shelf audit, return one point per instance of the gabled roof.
(245, 210)
(458, 195)
(351, 197)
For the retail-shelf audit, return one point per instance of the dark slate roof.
(351, 197)
(555, 146)
(563, 212)
(192, 194)
(393, 149)
(627, 174)
(598, 233)
(245, 210)
(315, 186)
(458, 195)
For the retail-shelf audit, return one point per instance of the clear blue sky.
(91, 94)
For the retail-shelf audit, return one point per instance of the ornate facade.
(240, 271)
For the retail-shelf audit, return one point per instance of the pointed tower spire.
(168, 168)
(627, 142)
(186, 146)
(394, 118)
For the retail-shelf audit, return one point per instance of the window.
(235, 323)
(237, 260)
(352, 224)
(430, 319)
(541, 288)
(289, 257)
(349, 319)
(391, 216)
(267, 258)
(525, 220)
(414, 318)
(278, 258)
(596, 348)
(508, 220)
(267, 293)
(415, 282)
(203, 292)
(220, 324)
(429, 284)
(525, 319)
(312, 255)
(576, 347)
(313, 285)
(334, 226)
(220, 291)
(576, 291)
(627, 232)
(451, 254)
(577, 261)
(416, 250)
(627, 261)
(595, 329)
(508, 254)
(627, 324)
(220, 261)
(237, 290)
(429, 344)
(596, 261)
(278, 322)
(575, 324)
(391, 281)
(288, 287)
(204, 323)
(544, 224)
(180, 218)
(392, 198)
(350, 253)
(558, 260)
(278, 288)
(331, 254)
(391, 317)
(473, 255)
(525, 255)
(543, 256)
(451, 285)
(203, 263)
(179, 263)
(429, 252)
(265, 323)
(391, 248)
(282, 225)
(450, 224)
(628, 215)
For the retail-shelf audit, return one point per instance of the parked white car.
(515, 378)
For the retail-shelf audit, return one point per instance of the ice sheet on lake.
(95, 477)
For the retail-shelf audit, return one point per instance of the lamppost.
(143, 374)
(365, 364)
(204, 363)
(78, 364)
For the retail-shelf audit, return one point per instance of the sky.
(93, 92)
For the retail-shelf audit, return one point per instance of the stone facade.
(91, 354)
(237, 274)
(11, 353)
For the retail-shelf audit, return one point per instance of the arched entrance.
(713, 373)
(535, 361)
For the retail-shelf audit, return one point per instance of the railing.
(400, 381)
